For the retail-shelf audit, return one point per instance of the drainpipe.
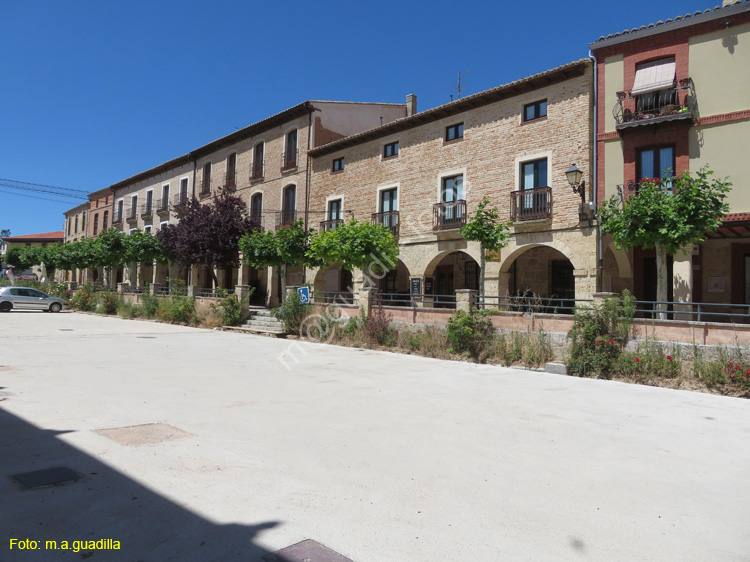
(595, 180)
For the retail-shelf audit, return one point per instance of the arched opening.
(449, 273)
(333, 284)
(393, 286)
(545, 276)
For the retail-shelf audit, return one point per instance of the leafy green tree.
(489, 230)
(668, 215)
(5, 232)
(144, 247)
(362, 245)
(23, 257)
(283, 248)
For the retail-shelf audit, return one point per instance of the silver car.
(29, 299)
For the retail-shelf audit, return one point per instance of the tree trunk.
(661, 281)
(214, 277)
(482, 263)
(282, 275)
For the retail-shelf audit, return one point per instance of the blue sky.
(93, 92)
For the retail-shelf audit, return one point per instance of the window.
(96, 224)
(453, 189)
(184, 187)
(288, 213)
(656, 163)
(258, 155)
(535, 110)
(105, 221)
(147, 228)
(162, 224)
(654, 87)
(70, 222)
(133, 206)
(471, 275)
(338, 164)
(388, 205)
(149, 202)
(391, 149)
(334, 210)
(290, 151)
(454, 132)
(164, 203)
(256, 205)
(120, 207)
(83, 222)
(534, 174)
(76, 225)
(206, 183)
(231, 170)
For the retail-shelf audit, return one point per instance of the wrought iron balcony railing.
(180, 200)
(147, 210)
(671, 104)
(163, 206)
(627, 189)
(332, 224)
(230, 180)
(531, 204)
(447, 216)
(132, 214)
(256, 173)
(285, 218)
(289, 161)
(205, 188)
(389, 220)
(116, 219)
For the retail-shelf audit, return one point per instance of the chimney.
(727, 3)
(411, 105)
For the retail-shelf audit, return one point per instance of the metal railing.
(413, 300)
(285, 218)
(389, 220)
(147, 210)
(180, 200)
(256, 173)
(230, 180)
(163, 206)
(131, 290)
(447, 216)
(332, 224)
(694, 311)
(334, 297)
(677, 102)
(132, 214)
(206, 293)
(117, 218)
(531, 204)
(205, 188)
(289, 161)
(525, 304)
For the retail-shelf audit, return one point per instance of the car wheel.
(5, 306)
(55, 307)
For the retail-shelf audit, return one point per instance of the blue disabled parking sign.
(304, 295)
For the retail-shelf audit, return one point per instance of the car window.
(34, 293)
(16, 292)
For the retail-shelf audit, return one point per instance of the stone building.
(423, 175)
(673, 97)
(266, 163)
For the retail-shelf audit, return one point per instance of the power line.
(44, 185)
(39, 190)
(34, 196)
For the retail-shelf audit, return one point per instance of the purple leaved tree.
(208, 234)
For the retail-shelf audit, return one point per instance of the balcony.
(332, 224)
(531, 204)
(132, 215)
(205, 189)
(230, 181)
(147, 210)
(284, 219)
(163, 207)
(672, 104)
(256, 173)
(389, 220)
(449, 216)
(289, 161)
(116, 219)
(632, 187)
(180, 200)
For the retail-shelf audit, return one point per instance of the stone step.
(265, 325)
(251, 330)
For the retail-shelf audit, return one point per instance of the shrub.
(377, 328)
(531, 348)
(109, 302)
(231, 307)
(130, 309)
(177, 310)
(208, 315)
(292, 313)
(470, 333)
(150, 305)
(730, 370)
(85, 298)
(599, 335)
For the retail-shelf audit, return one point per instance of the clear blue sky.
(93, 92)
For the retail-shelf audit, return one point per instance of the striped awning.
(653, 76)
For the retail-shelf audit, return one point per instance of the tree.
(208, 234)
(366, 246)
(668, 215)
(23, 257)
(284, 248)
(5, 232)
(490, 231)
(143, 247)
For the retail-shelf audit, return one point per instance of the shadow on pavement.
(103, 504)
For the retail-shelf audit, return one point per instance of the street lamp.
(574, 179)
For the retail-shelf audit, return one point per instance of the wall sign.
(416, 286)
(428, 285)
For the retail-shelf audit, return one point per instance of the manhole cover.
(146, 337)
(46, 477)
(66, 329)
(147, 434)
(306, 551)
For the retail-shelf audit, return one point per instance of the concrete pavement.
(382, 457)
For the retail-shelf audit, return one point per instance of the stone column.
(122, 287)
(366, 295)
(599, 298)
(466, 299)
(682, 282)
(72, 285)
(153, 289)
(291, 292)
(243, 295)
(191, 290)
(585, 283)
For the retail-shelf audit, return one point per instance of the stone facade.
(489, 158)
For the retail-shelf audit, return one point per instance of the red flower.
(669, 357)
(731, 364)
(611, 341)
(731, 374)
(637, 360)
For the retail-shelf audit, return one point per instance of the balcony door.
(289, 205)
(534, 176)
(656, 163)
(453, 191)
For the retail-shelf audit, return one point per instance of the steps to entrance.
(260, 321)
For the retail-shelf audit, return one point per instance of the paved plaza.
(195, 445)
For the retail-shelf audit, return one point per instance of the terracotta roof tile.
(45, 236)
